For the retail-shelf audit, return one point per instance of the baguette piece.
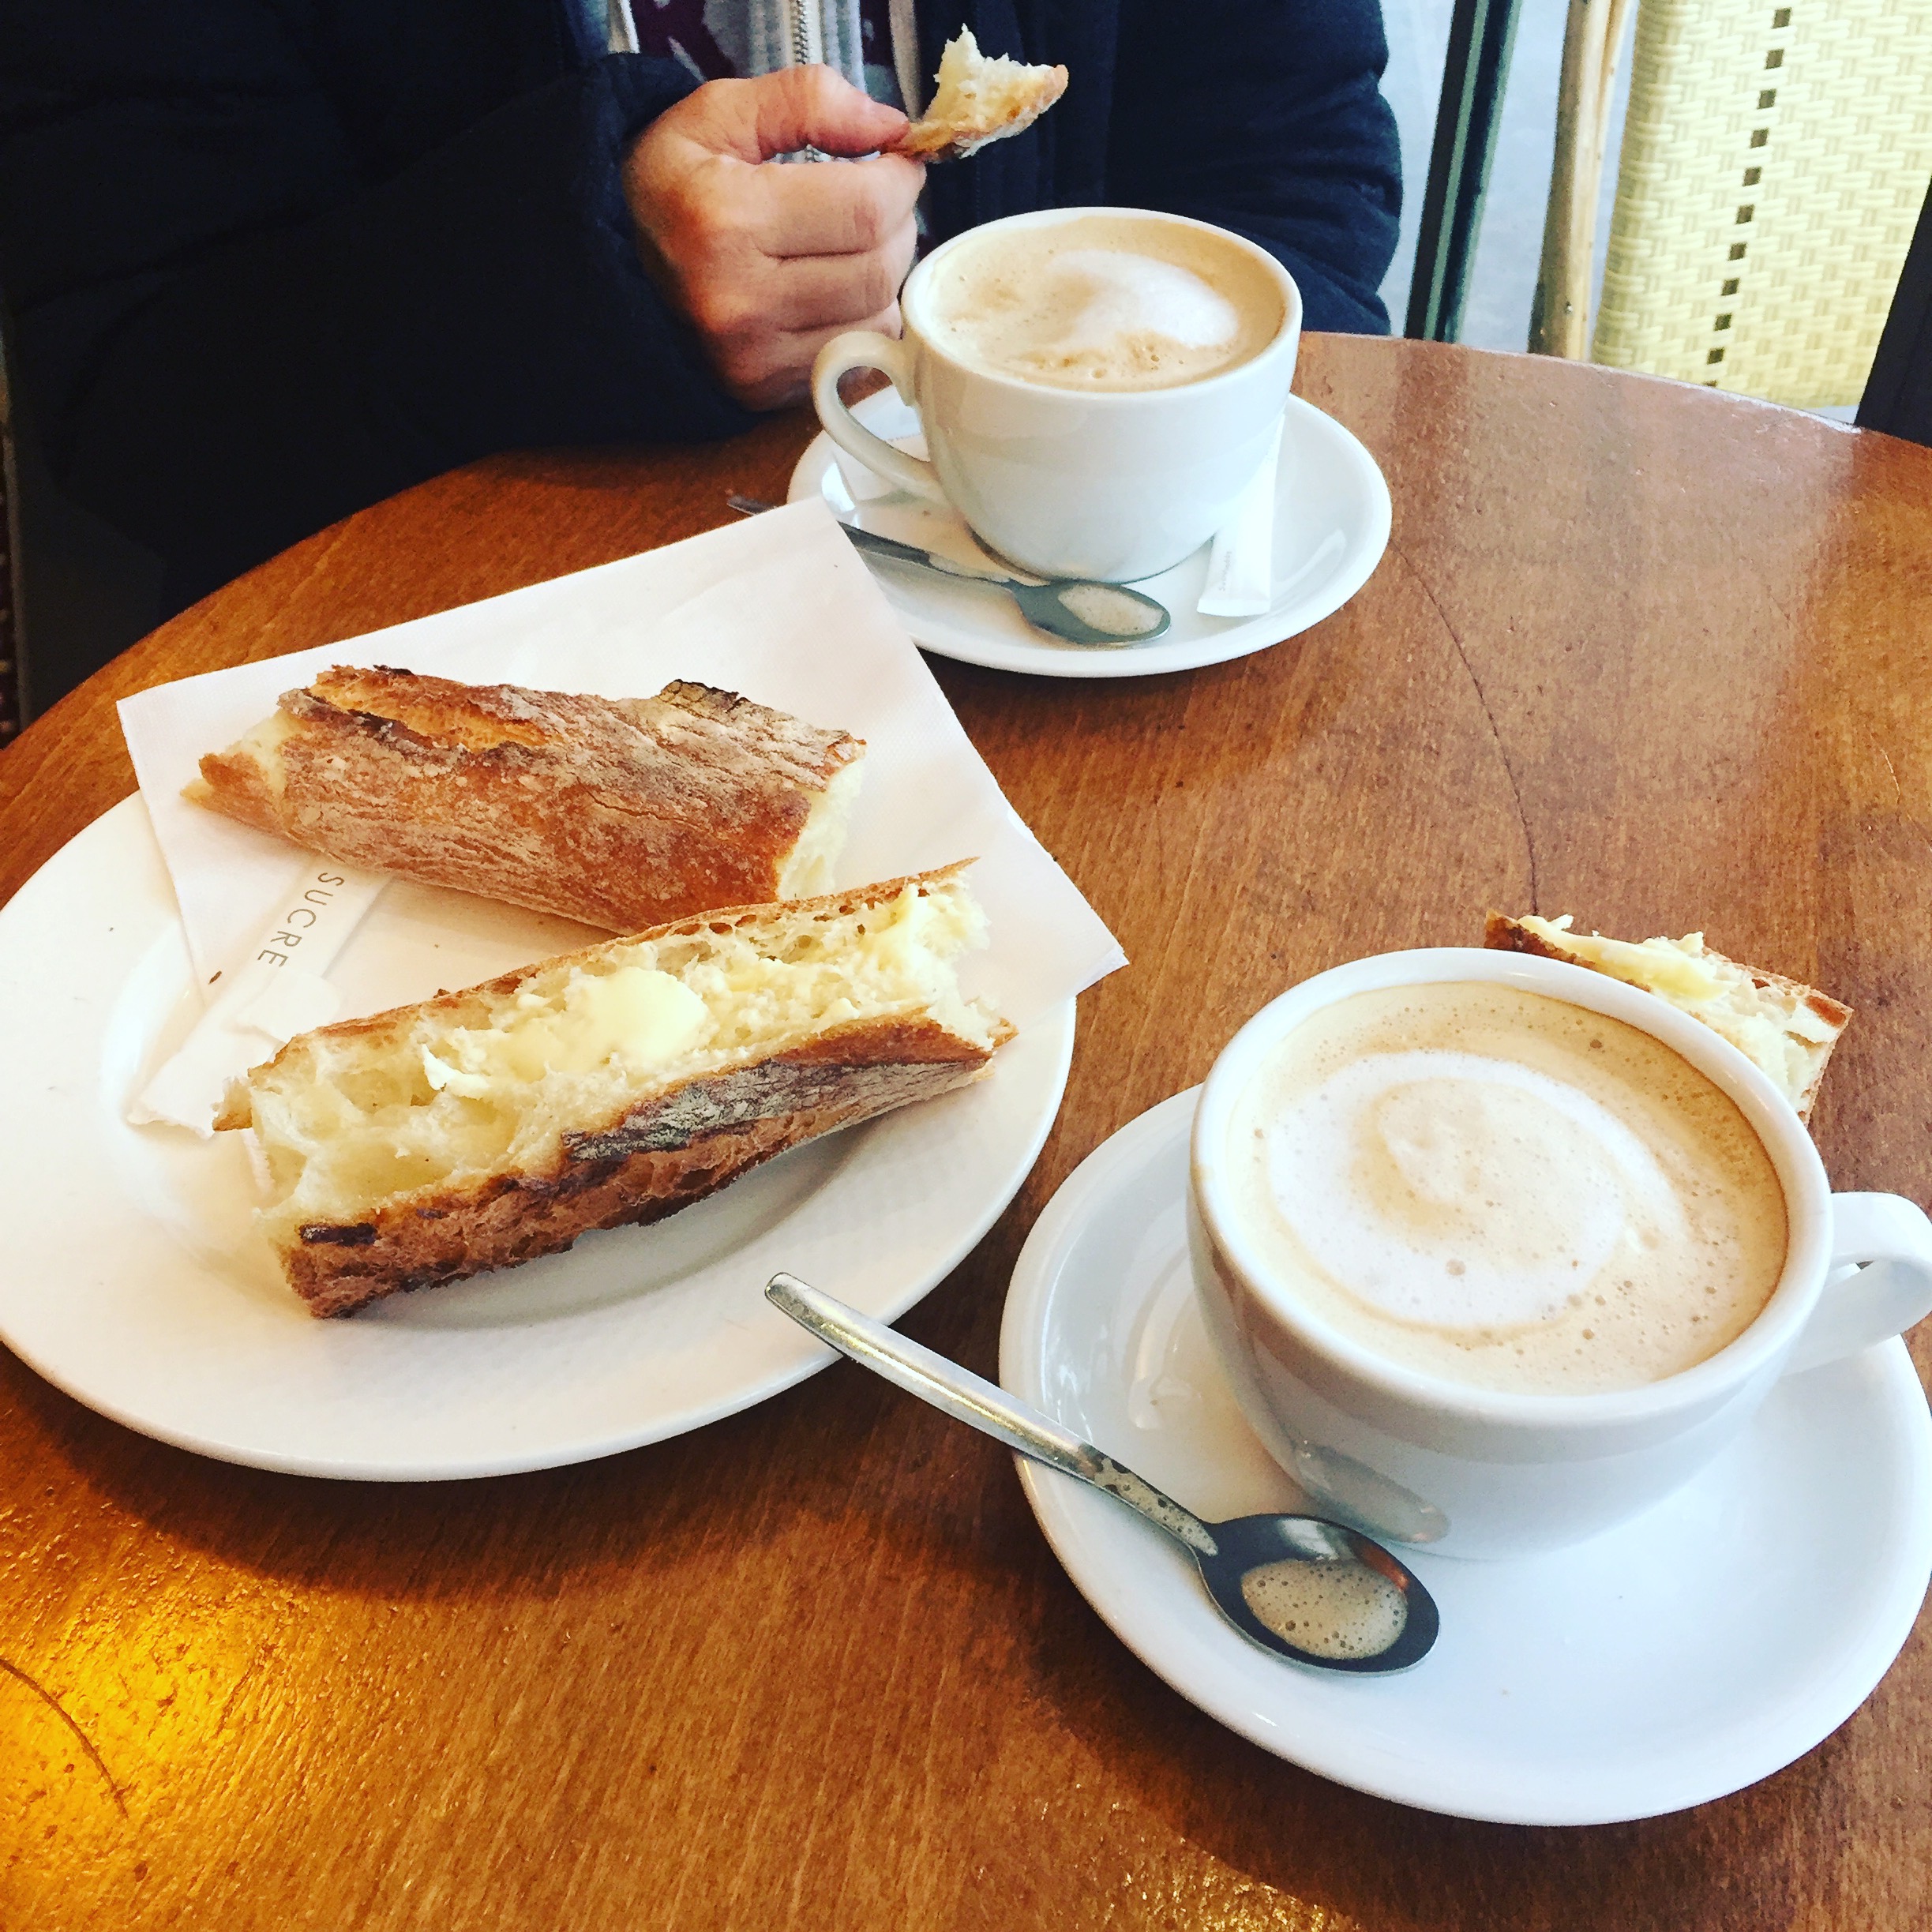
(1785, 1029)
(979, 98)
(621, 813)
(614, 1084)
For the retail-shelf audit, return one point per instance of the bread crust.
(954, 140)
(647, 1164)
(1026, 93)
(662, 1151)
(1501, 933)
(619, 812)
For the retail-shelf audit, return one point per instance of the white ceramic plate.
(133, 1279)
(1682, 1655)
(1331, 525)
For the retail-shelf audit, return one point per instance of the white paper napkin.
(279, 988)
(1240, 568)
(779, 607)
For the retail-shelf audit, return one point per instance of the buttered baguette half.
(978, 97)
(1784, 1028)
(621, 813)
(614, 1084)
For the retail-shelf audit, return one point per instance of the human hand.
(768, 264)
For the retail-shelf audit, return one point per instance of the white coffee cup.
(1114, 485)
(1418, 1459)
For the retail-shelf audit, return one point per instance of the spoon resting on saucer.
(1305, 1589)
(1072, 609)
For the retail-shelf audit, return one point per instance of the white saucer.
(1331, 526)
(132, 1278)
(1685, 1655)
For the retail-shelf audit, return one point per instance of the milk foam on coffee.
(1503, 1189)
(1104, 302)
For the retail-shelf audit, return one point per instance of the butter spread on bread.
(1784, 1028)
(614, 1084)
(621, 813)
(978, 97)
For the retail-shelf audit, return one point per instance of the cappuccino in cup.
(1497, 1252)
(1104, 302)
(1097, 387)
(1502, 1189)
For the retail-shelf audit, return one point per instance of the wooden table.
(1642, 652)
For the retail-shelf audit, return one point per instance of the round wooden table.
(1638, 651)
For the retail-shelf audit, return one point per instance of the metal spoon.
(1275, 1578)
(1115, 615)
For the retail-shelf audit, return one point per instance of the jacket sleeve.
(232, 326)
(1266, 116)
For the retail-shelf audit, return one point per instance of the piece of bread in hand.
(978, 97)
(614, 1084)
(1785, 1029)
(622, 812)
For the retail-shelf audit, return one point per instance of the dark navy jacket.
(268, 261)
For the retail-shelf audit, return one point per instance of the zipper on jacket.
(807, 40)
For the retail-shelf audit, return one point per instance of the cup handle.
(1879, 1282)
(865, 348)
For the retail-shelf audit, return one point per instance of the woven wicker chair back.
(1774, 158)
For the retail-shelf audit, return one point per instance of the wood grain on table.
(1640, 652)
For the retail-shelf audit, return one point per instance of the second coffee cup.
(1098, 386)
(1497, 1252)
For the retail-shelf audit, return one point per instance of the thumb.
(814, 107)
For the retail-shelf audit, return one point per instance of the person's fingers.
(747, 319)
(842, 210)
(746, 313)
(837, 291)
(814, 107)
(719, 117)
(768, 263)
(780, 371)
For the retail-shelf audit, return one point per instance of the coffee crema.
(1503, 1189)
(1102, 302)
(1328, 1609)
